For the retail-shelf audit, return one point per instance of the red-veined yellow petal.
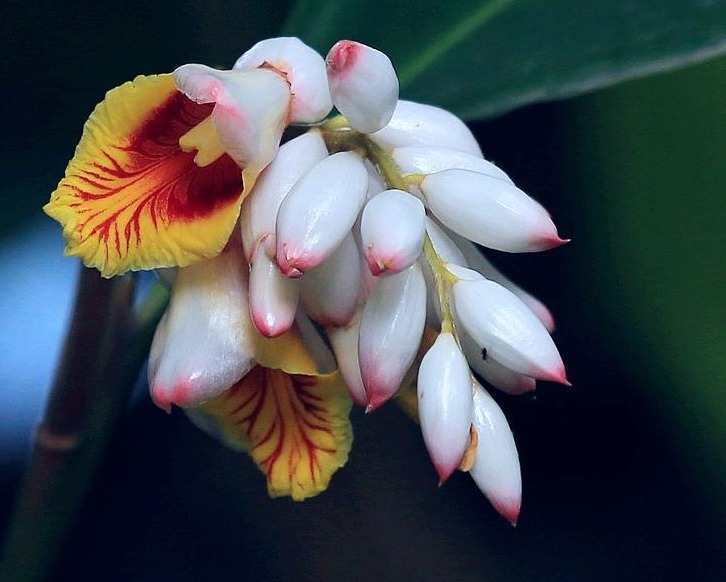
(294, 426)
(131, 198)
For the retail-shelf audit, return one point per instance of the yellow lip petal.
(294, 427)
(132, 198)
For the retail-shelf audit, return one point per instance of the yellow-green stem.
(339, 136)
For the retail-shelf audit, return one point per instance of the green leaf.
(651, 159)
(480, 58)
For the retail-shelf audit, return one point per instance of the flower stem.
(104, 350)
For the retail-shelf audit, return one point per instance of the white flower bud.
(445, 404)
(330, 292)
(496, 463)
(446, 248)
(392, 231)
(304, 70)
(273, 297)
(250, 114)
(489, 211)
(344, 341)
(431, 159)
(477, 261)
(390, 333)
(492, 371)
(499, 322)
(319, 211)
(259, 210)
(363, 85)
(415, 124)
(203, 344)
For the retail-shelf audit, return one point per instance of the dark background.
(621, 481)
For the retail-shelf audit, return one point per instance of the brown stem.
(104, 349)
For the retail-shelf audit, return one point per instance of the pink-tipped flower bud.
(496, 462)
(432, 159)
(499, 322)
(301, 66)
(203, 344)
(259, 210)
(390, 333)
(416, 124)
(392, 231)
(273, 297)
(489, 211)
(363, 85)
(477, 261)
(445, 404)
(501, 377)
(319, 211)
(344, 341)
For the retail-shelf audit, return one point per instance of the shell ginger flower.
(336, 268)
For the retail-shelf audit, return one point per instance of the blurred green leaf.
(651, 158)
(482, 57)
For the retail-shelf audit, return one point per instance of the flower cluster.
(339, 266)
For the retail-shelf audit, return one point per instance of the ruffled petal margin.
(294, 426)
(131, 198)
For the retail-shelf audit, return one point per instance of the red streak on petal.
(147, 174)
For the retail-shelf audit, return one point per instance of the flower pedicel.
(362, 224)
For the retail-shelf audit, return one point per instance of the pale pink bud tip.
(165, 396)
(319, 212)
(392, 231)
(551, 240)
(444, 472)
(292, 264)
(509, 510)
(363, 85)
(161, 396)
(390, 333)
(376, 401)
(445, 404)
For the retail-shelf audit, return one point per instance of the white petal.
(445, 404)
(319, 211)
(345, 347)
(259, 210)
(304, 69)
(315, 344)
(376, 184)
(432, 159)
(330, 292)
(417, 124)
(443, 245)
(492, 371)
(496, 464)
(390, 333)
(363, 85)
(499, 322)
(489, 211)
(250, 113)
(392, 231)
(477, 261)
(273, 297)
(203, 344)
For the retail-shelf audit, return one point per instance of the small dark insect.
(483, 353)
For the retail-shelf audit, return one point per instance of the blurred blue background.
(623, 473)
